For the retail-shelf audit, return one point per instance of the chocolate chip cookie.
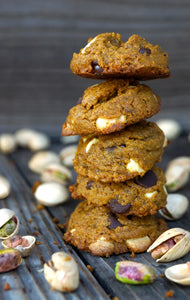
(107, 56)
(121, 155)
(140, 196)
(103, 233)
(110, 106)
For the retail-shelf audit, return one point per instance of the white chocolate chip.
(150, 195)
(84, 139)
(92, 41)
(72, 230)
(92, 142)
(102, 123)
(102, 238)
(133, 166)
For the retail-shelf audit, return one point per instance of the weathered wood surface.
(38, 38)
(28, 283)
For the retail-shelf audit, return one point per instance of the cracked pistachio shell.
(57, 173)
(51, 193)
(171, 128)
(134, 273)
(7, 143)
(62, 272)
(41, 159)
(32, 139)
(25, 251)
(179, 273)
(176, 177)
(182, 161)
(6, 215)
(9, 259)
(67, 155)
(5, 187)
(176, 207)
(180, 249)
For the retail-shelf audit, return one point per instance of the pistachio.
(62, 272)
(41, 159)
(138, 244)
(8, 228)
(101, 247)
(171, 128)
(182, 161)
(9, 223)
(22, 243)
(134, 273)
(179, 273)
(9, 259)
(57, 173)
(170, 245)
(67, 155)
(32, 139)
(176, 207)
(176, 177)
(7, 143)
(4, 187)
(51, 193)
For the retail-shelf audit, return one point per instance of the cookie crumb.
(40, 207)
(30, 220)
(6, 286)
(162, 275)
(90, 268)
(35, 233)
(55, 220)
(132, 254)
(115, 298)
(61, 226)
(55, 243)
(169, 293)
(38, 243)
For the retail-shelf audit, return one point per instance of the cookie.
(140, 196)
(110, 106)
(107, 56)
(120, 156)
(103, 233)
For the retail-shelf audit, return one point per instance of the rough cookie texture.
(110, 106)
(140, 196)
(97, 230)
(121, 155)
(107, 56)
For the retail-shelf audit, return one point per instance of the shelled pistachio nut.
(5, 187)
(7, 143)
(131, 272)
(41, 159)
(56, 173)
(10, 259)
(171, 245)
(176, 177)
(9, 223)
(51, 193)
(67, 155)
(171, 128)
(176, 207)
(62, 272)
(22, 243)
(179, 273)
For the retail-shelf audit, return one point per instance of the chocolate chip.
(89, 185)
(117, 208)
(97, 69)
(110, 149)
(79, 100)
(148, 180)
(114, 222)
(143, 50)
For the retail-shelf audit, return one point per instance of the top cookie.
(107, 56)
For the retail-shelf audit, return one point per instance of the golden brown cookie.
(110, 106)
(121, 155)
(97, 230)
(140, 196)
(107, 56)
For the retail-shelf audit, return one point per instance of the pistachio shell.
(25, 251)
(134, 273)
(176, 207)
(183, 161)
(9, 259)
(23, 136)
(5, 216)
(40, 160)
(5, 187)
(51, 193)
(38, 141)
(180, 248)
(7, 143)
(62, 272)
(179, 273)
(171, 128)
(67, 155)
(138, 244)
(176, 177)
(57, 173)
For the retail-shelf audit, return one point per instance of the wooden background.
(38, 38)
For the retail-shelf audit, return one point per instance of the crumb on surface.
(115, 298)
(35, 233)
(162, 275)
(90, 268)
(38, 243)
(30, 220)
(169, 293)
(6, 286)
(55, 220)
(132, 254)
(55, 243)
(40, 206)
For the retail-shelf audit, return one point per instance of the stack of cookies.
(118, 181)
